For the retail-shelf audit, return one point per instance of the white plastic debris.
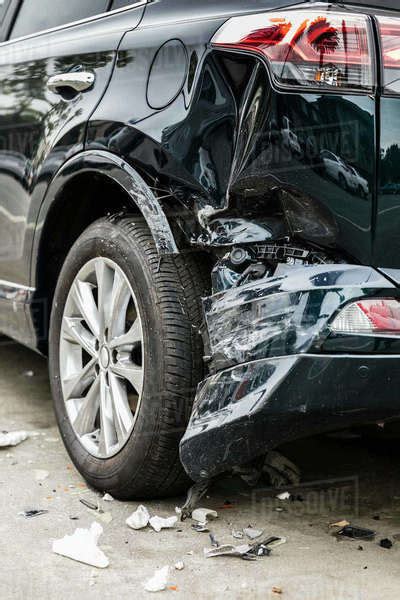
(41, 474)
(158, 582)
(227, 550)
(159, 523)
(12, 439)
(238, 535)
(82, 547)
(284, 496)
(179, 565)
(203, 514)
(138, 519)
(253, 534)
(108, 498)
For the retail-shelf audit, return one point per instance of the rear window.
(34, 16)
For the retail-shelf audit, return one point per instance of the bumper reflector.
(375, 316)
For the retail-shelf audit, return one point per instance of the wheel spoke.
(75, 333)
(118, 305)
(104, 276)
(131, 338)
(76, 384)
(132, 373)
(87, 413)
(108, 435)
(123, 418)
(84, 300)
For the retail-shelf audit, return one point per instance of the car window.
(53, 13)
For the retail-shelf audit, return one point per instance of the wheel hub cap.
(104, 357)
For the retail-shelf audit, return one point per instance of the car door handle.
(79, 81)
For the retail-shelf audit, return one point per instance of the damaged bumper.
(278, 371)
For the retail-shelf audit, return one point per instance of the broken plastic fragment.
(108, 498)
(386, 543)
(89, 504)
(239, 535)
(203, 514)
(159, 523)
(12, 439)
(357, 533)
(179, 565)
(82, 547)
(139, 519)
(213, 540)
(253, 534)
(30, 514)
(284, 496)
(200, 527)
(227, 550)
(158, 582)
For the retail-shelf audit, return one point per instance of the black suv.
(201, 191)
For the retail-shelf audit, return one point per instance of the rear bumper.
(275, 380)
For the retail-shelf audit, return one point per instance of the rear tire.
(168, 293)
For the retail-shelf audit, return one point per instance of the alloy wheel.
(101, 357)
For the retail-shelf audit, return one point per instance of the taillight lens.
(389, 29)
(369, 317)
(318, 49)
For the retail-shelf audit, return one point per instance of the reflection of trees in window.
(390, 165)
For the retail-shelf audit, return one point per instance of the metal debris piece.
(158, 582)
(179, 565)
(30, 514)
(227, 550)
(201, 527)
(386, 543)
(280, 470)
(158, 523)
(356, 533)
(194, 495)
(253, 534)
(203, 514)
(138, 519)
(284, 496)
(12, 438)
(82, 547)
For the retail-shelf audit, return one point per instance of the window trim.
(71, 24)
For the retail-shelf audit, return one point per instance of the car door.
(54, 70)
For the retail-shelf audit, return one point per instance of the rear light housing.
(369, 317)
(389, 29)
(316, 49)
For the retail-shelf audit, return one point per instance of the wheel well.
(82, 201)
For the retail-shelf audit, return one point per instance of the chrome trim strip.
(74, 23)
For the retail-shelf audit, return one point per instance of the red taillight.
(377, 316)
(319, 49)
(389, 29)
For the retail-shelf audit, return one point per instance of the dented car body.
(262, 137)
